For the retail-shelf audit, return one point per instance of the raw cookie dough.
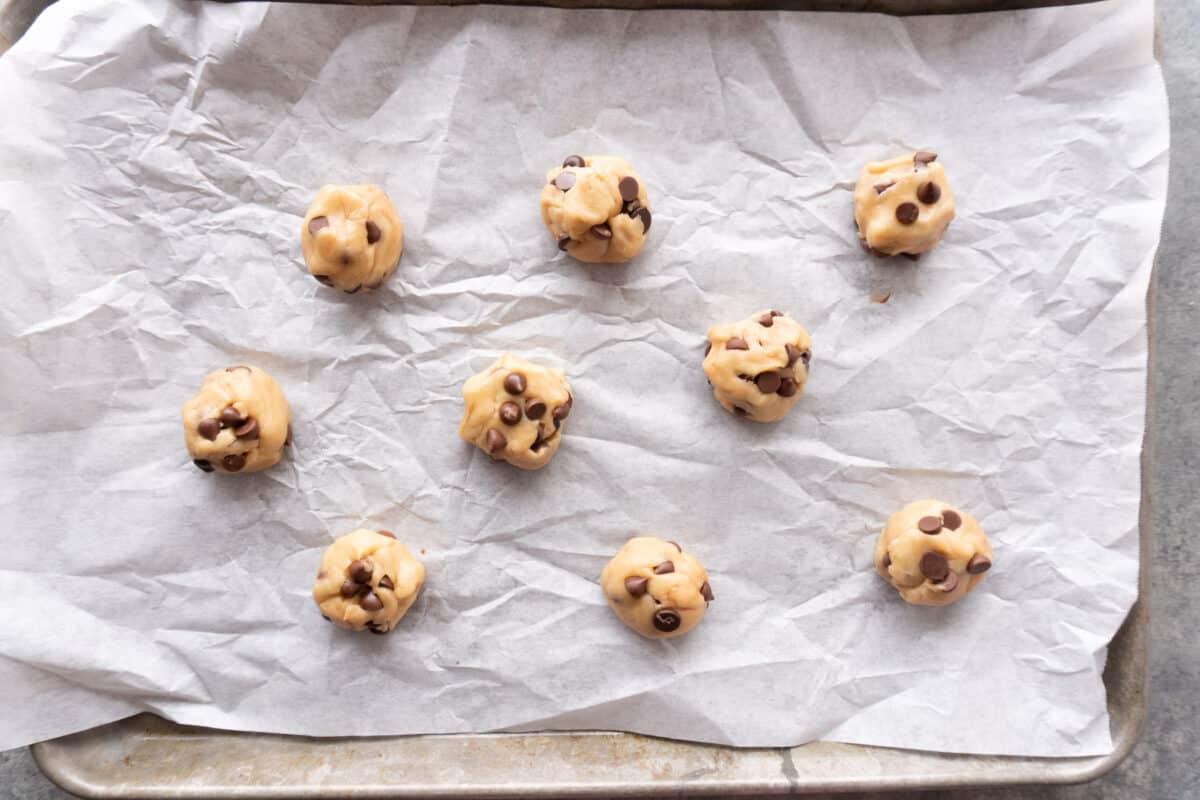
(902, 205)
(596, 208)
(514, 411)
(932, 553)
(758, 367)
(656, 588)
(368, 581)
(352, 237)
(239, 421)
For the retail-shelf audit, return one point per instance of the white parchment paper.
(157, 159)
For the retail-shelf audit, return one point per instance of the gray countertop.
(1163, 765)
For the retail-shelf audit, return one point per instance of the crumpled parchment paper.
(158, 157)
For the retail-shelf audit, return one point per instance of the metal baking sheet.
(147, 757)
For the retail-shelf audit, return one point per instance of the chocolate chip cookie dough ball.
(932, 553)
(514, 411)
(656, 588)
(758, 367)
(596, 208)
(368, 581)
(239, 421)
(352, 237)
(902, 205)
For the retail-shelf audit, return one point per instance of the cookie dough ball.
(368, 581)
(514, 411)
(932, 553)
(596, 208)
(902, 205)
(758, 367)
(239, 421)
(656, 588)
(352, 237)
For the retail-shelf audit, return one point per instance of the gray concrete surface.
(1164, 765)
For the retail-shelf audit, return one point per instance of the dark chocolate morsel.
(768, 382)
(203, 465)
(635, 586)
(233, 462)
(628, 186)
(315, 224)
(247, 430)
(564, 180)
(951, 519)
(737, 343)
(361, 570)
(386, 583)
(667, 620)
(371, 602)
(573, 161)
(924, 157)
(510, 413)
(907, 213)
(373, 232)
(514, 383)
(534, 408)
(665, 568)
(929, 193)
(209, 428)
(230, 418)
(934, 566)
(930, 525)
(706, 592)
(496, 441)
(350, 588)
(979, 563)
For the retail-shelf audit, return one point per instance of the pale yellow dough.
(520, 427)
(901, 181)
(359, 243)
(239, 421)
(590, 219)
(758, 367)
(932, 569)
(656, 588)
(381, 560)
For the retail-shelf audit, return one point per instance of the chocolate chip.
(350, 588)
(951, 519)
(924, 157)
(675, 544)
(373, 232)
(707, 348)
(236, 368)
(741, 412)
(324, 280)
(315, 224)
(377, 630)
(628, 186)
(247, 430)
(935, 566)
(793, 353)
(767, 319)
(361, 570)
(234, 462)
(737, 343)
(602, 231)
(787, 387)
(950, 583)
(510, 413)
(514, 383)
(644, 215)
(564, 180)
(930, 525)
(706, 592)
(561, 412)
(388, 534)
(538, 441)
(209, 428)
(887, 560)
(371, 602)
(880, 188)
(288, 440)
(907, 213)
(230, 418)
(979, 563)
(667, 620)
(665, 568)
(635, 586)
(632, 208)
(535, 409)
(768, 382)
(204, 465)
(354, 290)
(929, 193)
(564, 243)
(573, 161)
(806, 357)
(496, 441)
(386, 583)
